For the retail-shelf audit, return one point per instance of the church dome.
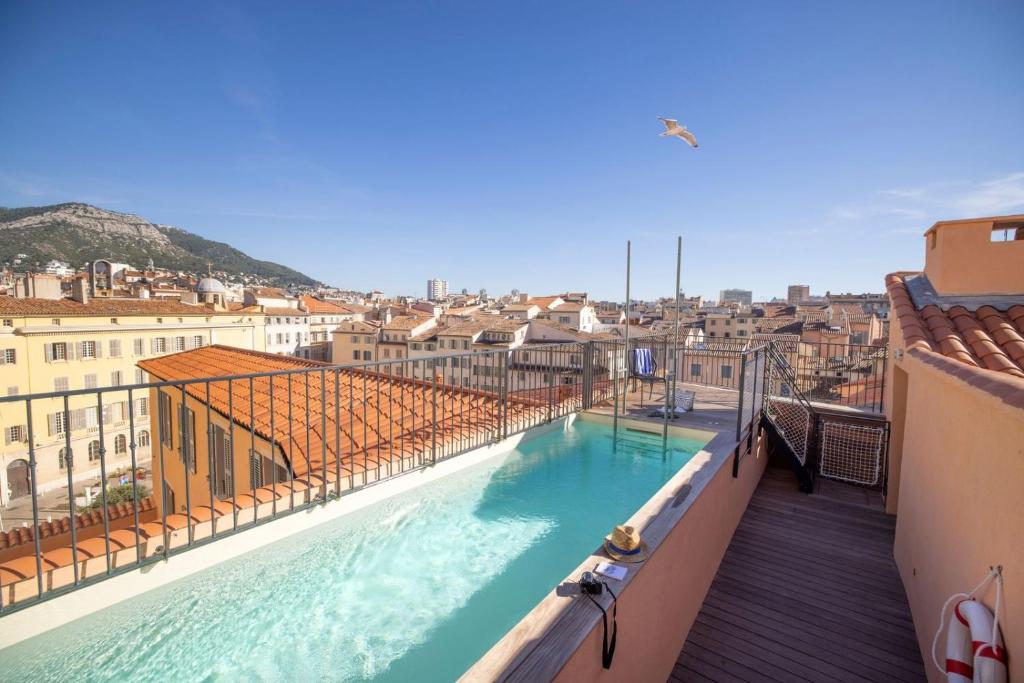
(209, 285)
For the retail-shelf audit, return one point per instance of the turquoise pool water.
(416, 587)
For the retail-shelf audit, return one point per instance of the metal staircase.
(788, 418)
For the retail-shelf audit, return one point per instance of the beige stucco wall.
(960, 257)
(657, 609)
(960, 485)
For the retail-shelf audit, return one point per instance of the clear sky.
(515, 144)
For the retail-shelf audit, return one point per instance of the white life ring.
(970, 657)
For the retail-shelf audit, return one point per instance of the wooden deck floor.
(807, 591)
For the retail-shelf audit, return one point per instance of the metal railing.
(206, 457)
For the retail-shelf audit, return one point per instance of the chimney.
(80, 290)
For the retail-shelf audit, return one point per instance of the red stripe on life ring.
(997, 653)
(954, 666)
(956, 611)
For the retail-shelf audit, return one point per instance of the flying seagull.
(673, 128)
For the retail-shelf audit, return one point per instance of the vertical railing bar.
(273, 442)
(337, 433)
(366, 431)
(254, 457)
(231, 454)
(211, 462)
(35, 502)
(132, 445)
(291, 447)
(163, 469)
(309, 460)
(380, 431)
(352, 431)
(185, 431)
(323, 430)
(433, 422)
(69, 461)
(103, 487)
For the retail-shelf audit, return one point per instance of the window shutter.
(51, 424)
(48, 349)
(152, 345)
(3, 358)
(7, 435)
(99, 349)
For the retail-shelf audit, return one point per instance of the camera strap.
(607, 648)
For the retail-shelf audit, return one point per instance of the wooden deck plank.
(807, 590)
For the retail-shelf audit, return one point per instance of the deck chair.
(643, 368)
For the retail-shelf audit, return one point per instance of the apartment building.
(287, 331)
(573, 314)
(437, 290)
(324, 317)
(355, 341)
(729, 325)
(743, 297)
(955, 397)
(63, 344)
(798, 294)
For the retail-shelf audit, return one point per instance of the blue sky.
(515, 145)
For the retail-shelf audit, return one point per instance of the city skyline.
(416, 133)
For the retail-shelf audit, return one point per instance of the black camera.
(590, 584)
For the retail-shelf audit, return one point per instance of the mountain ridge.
(76, 232)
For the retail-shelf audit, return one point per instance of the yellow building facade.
(64, 345)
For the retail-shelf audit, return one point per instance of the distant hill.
(78, 233)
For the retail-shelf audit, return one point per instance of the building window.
(355, 355)
(355, 338)
(90, 381)
(9, 357)
(115, 348)
(197, 341)
(694, 369)
(255, 469)
(120, 444)
(94, 451)
(14, 434)
(159, 345)
(58, 423)
(138, 347)
(189, 454)
(564, 319)
(60, 383)
(726, 372)
(179, 343)
(143, 438)
(140, 376)
(115, 378)
(57, 351)
(88, 349)
(55, 322)
(367, 355)
(8, 322)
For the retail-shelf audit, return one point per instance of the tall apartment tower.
(744, 297)
(798, 294)
(437, 289)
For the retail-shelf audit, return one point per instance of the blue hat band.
(620, 551)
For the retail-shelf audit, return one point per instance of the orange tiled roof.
(543, 301)
(381, 417)
(284, 310)
(314, 305)
(986, 338)
(29, 307)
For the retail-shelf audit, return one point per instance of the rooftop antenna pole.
(629, 368)
(614, 379)
(672, 371)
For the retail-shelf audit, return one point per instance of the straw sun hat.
(624, 544)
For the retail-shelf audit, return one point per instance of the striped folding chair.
(643, 369)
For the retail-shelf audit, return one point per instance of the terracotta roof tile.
(370, 430)
(29, 307)
(986, 338)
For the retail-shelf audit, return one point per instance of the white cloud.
(911, 209)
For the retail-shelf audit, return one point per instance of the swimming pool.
(415, 587)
